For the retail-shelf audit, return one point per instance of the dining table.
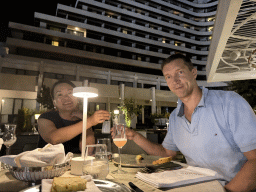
(9, 183)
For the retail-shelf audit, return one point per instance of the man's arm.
(245, 180)
(148, 146)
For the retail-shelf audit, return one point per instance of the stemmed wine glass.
(119, 138)
(9, 136)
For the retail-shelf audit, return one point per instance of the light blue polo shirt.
(223, 126)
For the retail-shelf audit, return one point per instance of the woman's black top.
(71, 145)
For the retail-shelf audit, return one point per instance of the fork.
(150, 170)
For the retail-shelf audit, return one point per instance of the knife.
(134, 187)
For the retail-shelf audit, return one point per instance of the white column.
(135, 81)
(1, 106)
(153, 103)
(158, 86)
(108, 104)
(121, 116)
(158, 109)
(86, 83)
(40, 77)
(122, 92)
(109, 78)
(143, 116)
(77, 73)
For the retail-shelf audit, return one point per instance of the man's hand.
(99, 117)
(130, 134)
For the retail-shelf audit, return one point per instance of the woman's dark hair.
(171, 58)
(60, 82)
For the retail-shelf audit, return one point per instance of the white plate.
(103, 185)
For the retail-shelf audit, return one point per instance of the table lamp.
(85, 93)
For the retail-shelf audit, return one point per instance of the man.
(212, 129)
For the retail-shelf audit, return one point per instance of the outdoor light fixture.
(37, 116)
(85, 93)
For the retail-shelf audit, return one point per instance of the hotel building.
(116, 46)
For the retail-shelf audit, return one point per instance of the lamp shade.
(85, 92)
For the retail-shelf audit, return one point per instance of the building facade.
(115, 45)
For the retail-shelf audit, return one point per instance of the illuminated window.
(139, 58)
(163, 41)
(124, 31)
(55, 43)
(210, 28)
(211, 19)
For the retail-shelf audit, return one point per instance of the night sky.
(23, 12)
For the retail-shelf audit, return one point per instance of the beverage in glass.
(106, 127)
(119, 142)
(119, 139)
(107, 142)
(9, 136)
(97, 166)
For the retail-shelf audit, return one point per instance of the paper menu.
(173, 178)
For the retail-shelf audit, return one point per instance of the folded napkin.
(90, 185)
(40, 157)
(173, 178)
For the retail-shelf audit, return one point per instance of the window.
(75, 32)
(55, 43)
(11, 106)
(55, 29)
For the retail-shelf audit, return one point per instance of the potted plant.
(130, 110)
(24, 120)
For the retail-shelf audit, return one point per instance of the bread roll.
(138, 158)
(162, 160)
(68, 184)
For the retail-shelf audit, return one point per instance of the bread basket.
(34, 174)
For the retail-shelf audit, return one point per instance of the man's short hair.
(60, 82)
(171, 58)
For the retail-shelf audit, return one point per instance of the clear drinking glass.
(107, 142)
(96, 161)
(119, 138)
(9, 136)
(106, 127)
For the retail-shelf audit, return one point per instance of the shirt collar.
(202, 103)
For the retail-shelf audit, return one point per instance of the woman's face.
(63, 97)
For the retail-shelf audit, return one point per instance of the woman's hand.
(99, 117)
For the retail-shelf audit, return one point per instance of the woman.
(64, 125)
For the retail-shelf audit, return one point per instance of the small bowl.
(34, 174)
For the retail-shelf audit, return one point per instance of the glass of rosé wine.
(119, 139)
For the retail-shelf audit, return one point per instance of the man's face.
(180, 80)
